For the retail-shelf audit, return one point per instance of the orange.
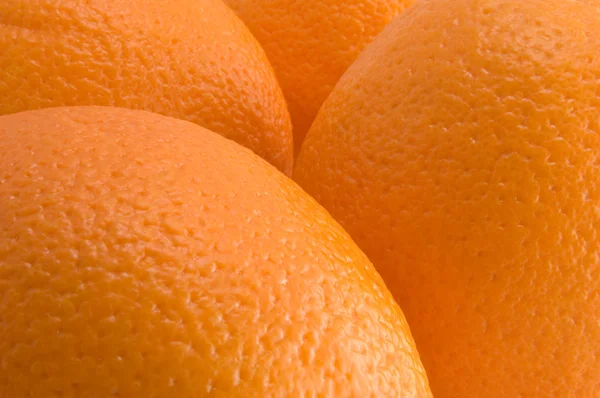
(310, 44)
(144, 256)
(461, 152)
(193, 60)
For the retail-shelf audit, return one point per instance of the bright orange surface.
(194, 60)
(311, 43)
(144, 256)
(461, 152)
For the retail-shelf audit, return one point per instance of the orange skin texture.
(193, 60)
(461, 153)
(311, 43)
(144, 256)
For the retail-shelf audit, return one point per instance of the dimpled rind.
(461, 152)
(311, 43)
(144, 256)
(193, 60)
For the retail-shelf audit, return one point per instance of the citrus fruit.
(461, 152)
(311, 43)
(144, 256)
(193, 60)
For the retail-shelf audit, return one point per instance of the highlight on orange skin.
(461, 154)
(145, 256)
(193, 60)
